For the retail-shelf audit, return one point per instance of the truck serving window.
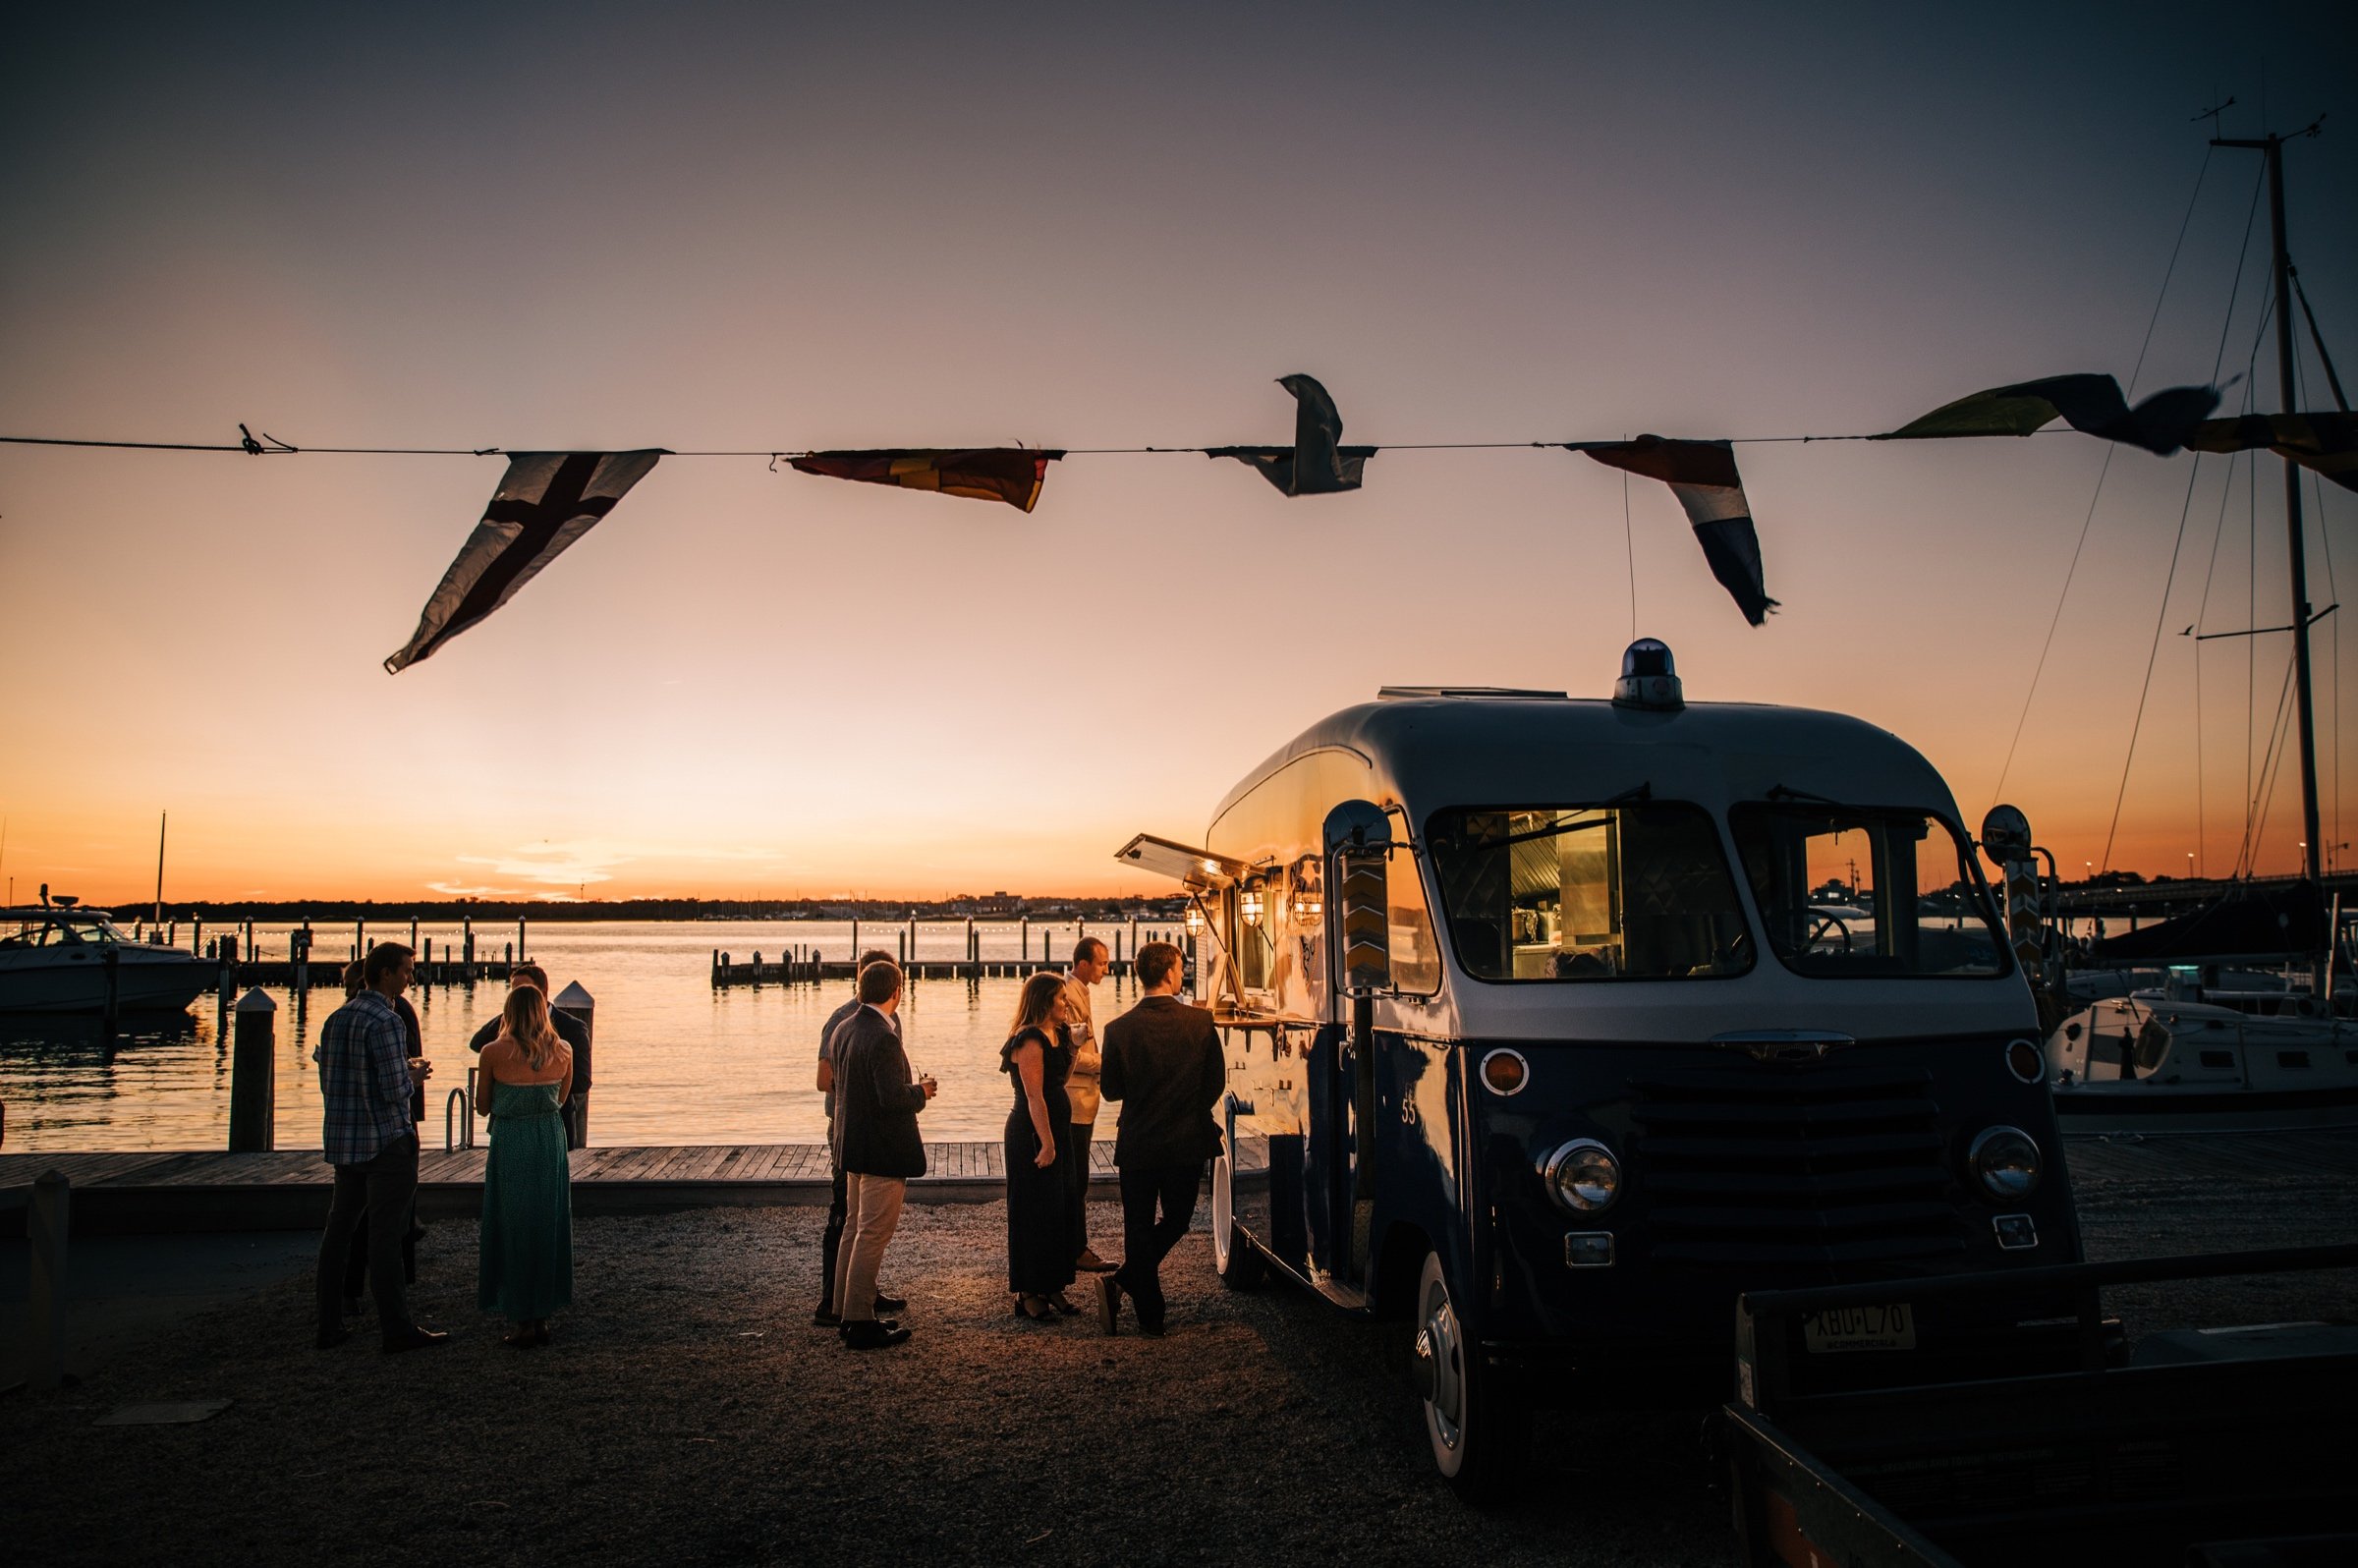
(1573, 893)
(1849, 890)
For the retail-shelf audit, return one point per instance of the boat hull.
(159, 981)
(2105, 1109)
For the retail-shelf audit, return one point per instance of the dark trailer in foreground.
(2221, 1448)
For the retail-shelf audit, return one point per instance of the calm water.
(676, 1061)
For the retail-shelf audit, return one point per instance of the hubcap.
(1440, 1364)
(1224, 1211)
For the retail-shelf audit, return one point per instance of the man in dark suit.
(1162, 1061)
(877, 1144)
(830, 1240)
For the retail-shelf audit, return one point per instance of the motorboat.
(59, 958)
(2187, 1057)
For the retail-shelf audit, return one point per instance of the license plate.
(1888, 1326)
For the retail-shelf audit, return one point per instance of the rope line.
(2063, 595)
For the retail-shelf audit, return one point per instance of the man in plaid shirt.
(366, 1081)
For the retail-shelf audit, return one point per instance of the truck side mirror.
(1359, 840)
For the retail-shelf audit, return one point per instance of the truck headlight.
(1583, 1176)
(2005, 1162)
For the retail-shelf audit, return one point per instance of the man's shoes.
(414, 1338)
(844, 1330)
(351, 1305)
(1151, 1327)
(330, 1338)
(1109, 1301)
(1089, 1262)
(888, 1303)
(874, 1334)
(826, 1317)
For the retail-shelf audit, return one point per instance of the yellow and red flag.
(1009, 474)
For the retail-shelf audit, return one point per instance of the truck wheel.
(1239, 1263)
(1475, 1425)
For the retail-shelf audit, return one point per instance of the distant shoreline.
(452, 911)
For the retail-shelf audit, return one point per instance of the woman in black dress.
(1037, 1059)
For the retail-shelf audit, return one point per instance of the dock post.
(196, 933)
(252, 1072)
(359, 938)
(575, 1002)
(229, 965)
(412, 934)
(253, 953)
(716, 966)
(520, 938)
(299, 953)
(45, 1226)
(466, 958)
(855, 939)
(1023, 940)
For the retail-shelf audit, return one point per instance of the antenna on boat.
(2312, 840)
(162, 823)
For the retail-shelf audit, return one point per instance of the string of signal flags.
(547, 500)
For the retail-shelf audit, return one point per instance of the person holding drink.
(1038, 1059)
(876, 1101)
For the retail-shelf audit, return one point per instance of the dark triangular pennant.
(546, 501)
(2326, 444)
(2088, 403)
(1314, 465)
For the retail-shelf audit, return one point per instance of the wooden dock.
(133, 1193)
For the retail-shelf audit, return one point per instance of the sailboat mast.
(162, 823)
(2312, 839)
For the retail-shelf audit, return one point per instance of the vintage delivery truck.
(1559, 1023)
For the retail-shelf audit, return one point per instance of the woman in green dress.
(527, 1252)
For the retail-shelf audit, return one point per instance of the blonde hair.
(1038, 1000)
(525, 1020)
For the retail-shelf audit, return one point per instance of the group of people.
(1161, 1060)
(532, 1079)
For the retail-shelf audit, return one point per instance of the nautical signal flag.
(546, 501)
(2326, 444)
(1010, 473)
(1703, 475)
(2091, 404)
(1314, 465)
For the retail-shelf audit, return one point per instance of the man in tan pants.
(1088, 968)
(875, 1126)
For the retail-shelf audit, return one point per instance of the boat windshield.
(1866, 891)
(1588, 893)
(62, 931)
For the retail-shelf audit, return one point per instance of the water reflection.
(676, 1061)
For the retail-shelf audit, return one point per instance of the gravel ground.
(688, 1413)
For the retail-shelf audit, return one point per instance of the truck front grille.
(1828, 1171)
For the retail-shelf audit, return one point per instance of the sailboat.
(2207, 1050)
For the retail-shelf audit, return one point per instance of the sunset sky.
(773, 228)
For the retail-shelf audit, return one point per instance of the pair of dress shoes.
(415, 1338)
(1110, 1310)
(826, 1317)
(873, 1333)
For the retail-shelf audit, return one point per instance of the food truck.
(1557, 1024)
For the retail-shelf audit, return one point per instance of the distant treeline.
(451, 910)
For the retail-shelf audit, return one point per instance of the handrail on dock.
(463, 1102)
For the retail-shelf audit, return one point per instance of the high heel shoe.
(1064, 1307)
(1024, 1309)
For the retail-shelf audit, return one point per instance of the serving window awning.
(1195, 867)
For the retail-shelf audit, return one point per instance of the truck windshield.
(1867, 891)
(1588, 893)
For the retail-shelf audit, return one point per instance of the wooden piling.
(577, 1003)
(252, 1072)
(45, 1227)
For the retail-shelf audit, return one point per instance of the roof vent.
(1649, 678)
(1409, 694)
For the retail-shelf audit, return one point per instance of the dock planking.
(288, 1188)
